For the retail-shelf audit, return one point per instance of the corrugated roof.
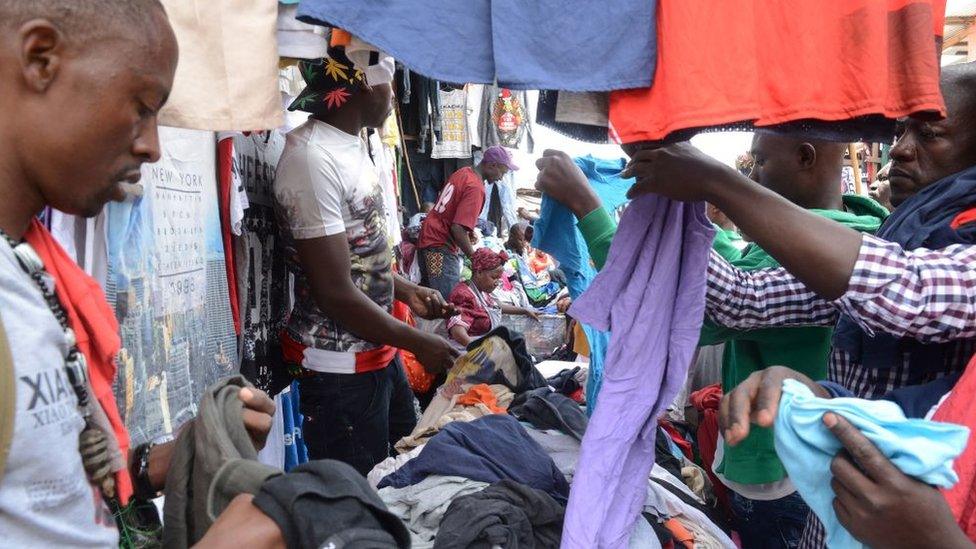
(960, 15)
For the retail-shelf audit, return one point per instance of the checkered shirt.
(929, 295)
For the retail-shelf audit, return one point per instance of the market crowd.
(807, 355)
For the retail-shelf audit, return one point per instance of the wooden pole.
(406, 156)
(852, 151)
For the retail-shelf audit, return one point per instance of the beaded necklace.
(93, 442)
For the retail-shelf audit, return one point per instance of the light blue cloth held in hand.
(919, 448)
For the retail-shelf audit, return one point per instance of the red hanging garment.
(960, 408)
(765, 63)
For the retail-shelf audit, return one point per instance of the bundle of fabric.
(499, 357)
(545, 409)
(422, 506)
(476, 401)
(505, 514)
(461, 460)
(539, 287)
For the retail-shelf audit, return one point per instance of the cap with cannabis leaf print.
(330, 82)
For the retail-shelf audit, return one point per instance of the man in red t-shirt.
(447, 230)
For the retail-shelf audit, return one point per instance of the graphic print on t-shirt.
(371, 269)
(261, 271)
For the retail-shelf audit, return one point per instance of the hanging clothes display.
(227, 77)
(231, 209)
(578, 121)
(454, 140)
(382, 146)
(168, 282)
(475, 94)
(521, 45)
(873, 59)
(505, 118)
(300, 40)
(651, 296)
(261, 272)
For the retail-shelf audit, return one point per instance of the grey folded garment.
(506, 514)
(327, 503)
(545, 409)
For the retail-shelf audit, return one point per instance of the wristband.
(142, 486)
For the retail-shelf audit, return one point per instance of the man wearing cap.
(447, 230)
(341, 340)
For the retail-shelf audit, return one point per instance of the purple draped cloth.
(651, 296)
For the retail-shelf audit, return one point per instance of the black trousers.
(357, 418)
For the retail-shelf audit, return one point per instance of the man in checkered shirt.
(829, 270)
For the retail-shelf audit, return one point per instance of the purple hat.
(499, 155)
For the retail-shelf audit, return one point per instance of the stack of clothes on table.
(492, 460)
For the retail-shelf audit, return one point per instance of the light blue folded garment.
(919, 448)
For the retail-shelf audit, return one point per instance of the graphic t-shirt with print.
(327, 185)
(262, 274)
(460, 202)
(45, 497)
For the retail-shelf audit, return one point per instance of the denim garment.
(356, 418)
(774, 524)
(440, 269)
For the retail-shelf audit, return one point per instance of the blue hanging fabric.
(295, 452)
(556, 233)
(536, 45)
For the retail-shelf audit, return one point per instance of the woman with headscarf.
(479, 312)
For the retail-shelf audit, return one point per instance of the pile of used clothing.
(492, 460)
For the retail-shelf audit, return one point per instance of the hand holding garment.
(556, 232)
(506, 514)
(489, 449)
(199, 476)
(919, 448)
(651, 296)
(326, 503)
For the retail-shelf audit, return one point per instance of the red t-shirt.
(460, 202)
